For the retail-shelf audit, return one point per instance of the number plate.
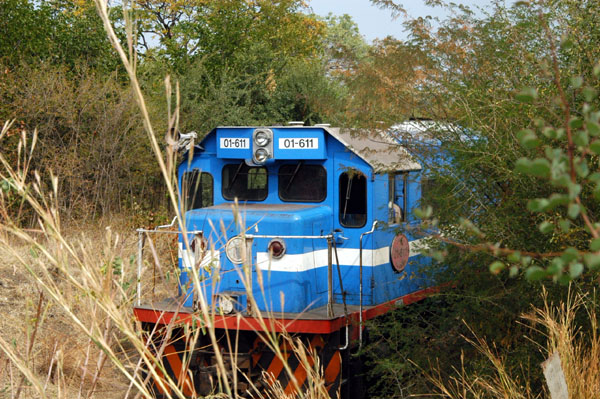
(298, 143)
(230, 142)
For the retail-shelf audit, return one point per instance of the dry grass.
(579, 354)
(71, 332)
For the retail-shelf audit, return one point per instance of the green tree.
(517, 88)
(57, 31)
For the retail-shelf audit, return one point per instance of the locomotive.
(306, 227)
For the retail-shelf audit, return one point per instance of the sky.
(376, 23)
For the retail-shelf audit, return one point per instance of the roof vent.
(296, 123)
(323, 125)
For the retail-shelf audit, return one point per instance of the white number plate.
(297, 143)
(230, 142)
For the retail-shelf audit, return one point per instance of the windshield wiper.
(293, 176)
(237, 172)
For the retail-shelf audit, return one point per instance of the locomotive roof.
(380, 150)
(377, 148)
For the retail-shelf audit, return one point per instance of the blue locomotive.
(309, 226)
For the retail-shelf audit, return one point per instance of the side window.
(394, 210)
(197, 190)
(400, 201)
(353, 199)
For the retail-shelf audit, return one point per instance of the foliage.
(89, 133)
(60, 32)
(517, 91)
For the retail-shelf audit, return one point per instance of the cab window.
(197, 190)
(353, 199)
(303, 183)
(246, 183)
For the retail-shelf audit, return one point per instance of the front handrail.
(360, 294)
(160, 229)
(141, 240)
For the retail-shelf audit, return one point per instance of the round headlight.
(261, 155)
(277, 248)
(261, 138)
(235, 249)
(225, 304)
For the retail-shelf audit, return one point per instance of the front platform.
(314, 321)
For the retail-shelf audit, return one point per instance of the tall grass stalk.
(79, 277)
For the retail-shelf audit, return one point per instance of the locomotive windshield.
(246, 183)
(301, 182)
(197, 189)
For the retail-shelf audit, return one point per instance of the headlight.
(261, 138)
(261, 155)
(225, 304)
(277, 248)
(235, 250)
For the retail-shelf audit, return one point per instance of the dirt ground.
(45, 336)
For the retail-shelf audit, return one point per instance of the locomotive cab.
(282, 191)
(309, 225)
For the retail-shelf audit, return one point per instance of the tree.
(518, 86)
(57, 31)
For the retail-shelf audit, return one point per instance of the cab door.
(352, 194)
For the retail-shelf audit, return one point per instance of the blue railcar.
(307, 225)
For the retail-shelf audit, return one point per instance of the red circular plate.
(400, 251)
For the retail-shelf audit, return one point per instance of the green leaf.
(597, 191)
(574, 210)
(528, 139)
(522, 165)
(535, 273)
(581, 138)
(569, 255)
(513, 271)
(549, 132)
(597, 70)
(563, 279)
(576, 82)
(556, 266)
(564, 225)
(595, 244)
(595, 177)
(537, 205)
(593, 128)
(514, 257)
(576, 123)
(557, 200)
(595, 147)
(581, 168)
(592, 260)
(496, 267)
(574, 189)
(424, 213)
(527, 95)
(539, 167)
(589, 93)
(566, 44)
(546, 227)
(575, 270)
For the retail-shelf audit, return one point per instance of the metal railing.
(142, 233)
